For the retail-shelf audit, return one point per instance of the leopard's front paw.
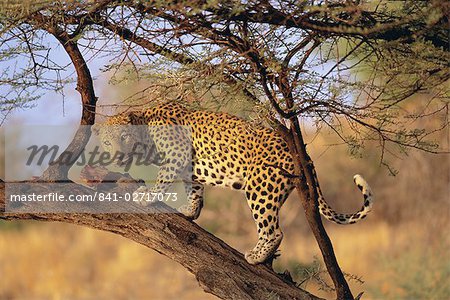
(253, 258)
(141, 195)
(189, 212)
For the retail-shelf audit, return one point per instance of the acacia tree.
(340, 64)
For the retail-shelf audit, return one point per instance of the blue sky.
(53, 108)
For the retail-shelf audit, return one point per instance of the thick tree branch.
(219, 269)
(368, 27)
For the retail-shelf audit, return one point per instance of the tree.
(336, 63)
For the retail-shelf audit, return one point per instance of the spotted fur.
(229, 152)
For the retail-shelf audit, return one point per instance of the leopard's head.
(125, 141)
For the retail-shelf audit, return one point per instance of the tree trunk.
(307, 186)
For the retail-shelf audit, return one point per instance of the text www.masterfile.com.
(95, 197)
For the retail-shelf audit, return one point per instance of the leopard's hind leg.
(265, 198)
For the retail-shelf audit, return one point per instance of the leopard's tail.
(330, 214)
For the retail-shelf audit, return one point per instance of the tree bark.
(306, 186)
(307, 190)
(219, 269)
(85, 87)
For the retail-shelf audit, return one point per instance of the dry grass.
(61, 261)
(395, 262)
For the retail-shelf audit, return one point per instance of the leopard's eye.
(107, 143)
(125, 136)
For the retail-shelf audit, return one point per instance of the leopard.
(223, 150)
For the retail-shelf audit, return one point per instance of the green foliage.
(342, 64)
(161, 84)
(14, 9)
